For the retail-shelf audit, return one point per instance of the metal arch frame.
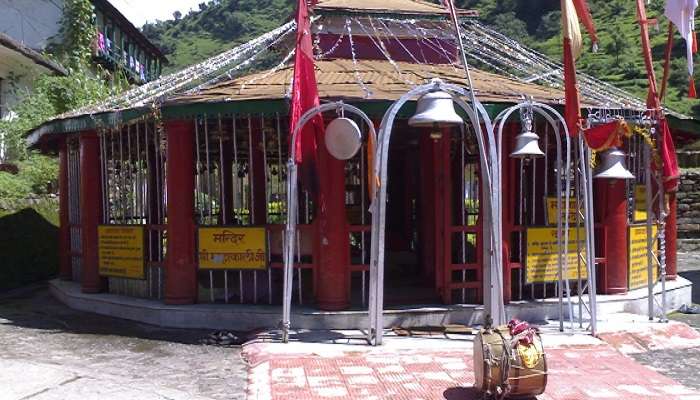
(292, 197)
(655, 217)
(555, 120)
(493, 291)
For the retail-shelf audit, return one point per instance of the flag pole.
(493, 302)
(667, 61)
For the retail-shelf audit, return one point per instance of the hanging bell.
(343, 138)
(612, 165)
(435, 110)
(527, 143)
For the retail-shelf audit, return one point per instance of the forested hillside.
(221, 24)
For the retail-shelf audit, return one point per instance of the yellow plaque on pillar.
(121, 251)
(640, 203)
(542, 260)
(232, 248)
(552, 210)
(638, 271)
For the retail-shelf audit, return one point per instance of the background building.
(29, 29)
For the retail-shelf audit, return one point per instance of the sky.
(141, 11)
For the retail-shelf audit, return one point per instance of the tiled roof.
(386, 6)
(340, 79)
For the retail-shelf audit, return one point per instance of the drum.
(499, 366)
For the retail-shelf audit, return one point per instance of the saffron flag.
(304, 98)
(682, 14)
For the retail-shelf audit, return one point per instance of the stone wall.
(689, 210)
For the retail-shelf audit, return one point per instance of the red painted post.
(181, 267)
(257, 174)
(258, 199)
(671, 237)
(611, 201)
(90, 210)
(445, 212)
(226, 200)
(508, 165)
(155, 176)
(427, 207)
(333, 292)
(65, 267)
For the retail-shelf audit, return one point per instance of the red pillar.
(181, 267)
(90, 210)
(257, 174)
(226, 200)
(258, 199)
(65, 267)
(153, 194)
(444, 212)
(427, 207)
(333, 291)
(671, 237)
(509, 206)
(611, 202)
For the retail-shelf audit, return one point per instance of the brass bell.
(612, 165)
(527, 142)
(435, 110)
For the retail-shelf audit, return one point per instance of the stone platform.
(246, 317)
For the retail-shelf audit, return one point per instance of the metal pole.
(292, 209)
(650, 236)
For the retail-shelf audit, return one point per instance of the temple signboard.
(640, 203)
(552, 210)
(637, 257)
(121, 251)
(542, 260)
(232, 248)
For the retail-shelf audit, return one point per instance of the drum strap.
(504, 387)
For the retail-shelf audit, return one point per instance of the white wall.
(32, 22)
(18, 75)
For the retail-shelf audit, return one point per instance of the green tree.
(617, 45)
(52, 95)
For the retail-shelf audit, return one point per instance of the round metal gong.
(343, 138)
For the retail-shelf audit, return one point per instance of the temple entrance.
(410, 261)
(432, 231)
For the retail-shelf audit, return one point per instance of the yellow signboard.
(542, 262)
(637, 257)
(552, 210)
(640, 203)
(232, 248)
(121, 251)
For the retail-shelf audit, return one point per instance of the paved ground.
(52, 352)
(680, 364)
(580, 367)
(689, 268)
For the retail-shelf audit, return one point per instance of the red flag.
(604, 136)
(584, 14)
(572, 48)
(305, 97)
(670, 171)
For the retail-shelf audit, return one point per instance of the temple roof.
(412, 7)
(370, 80)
